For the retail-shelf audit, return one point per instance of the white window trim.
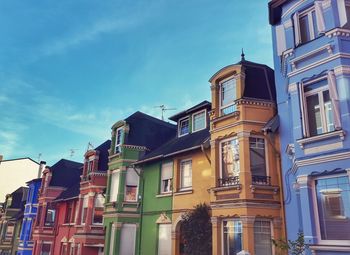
(222, 232)
(116, 139)
(137, 187)
(179, 126)
(317, 219)
(171, 180)
(317, 91)
(308, 13)
(266, 153)
(220, 152)
(190, 187)
(93, 212)
(205, 120)
(220, 93)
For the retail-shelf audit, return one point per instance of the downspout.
(203, 150)
(140, 174)
(279, 170)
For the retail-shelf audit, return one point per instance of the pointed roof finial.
(242, 55)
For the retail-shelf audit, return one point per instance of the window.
(333, 204)
(199, 121)
(166, 177)
(229, 160)
(112, 240)
(90, 165)
(38, 215)
(319, 108)
(308, 26)
(64, 249)
(98, 209)
(114, 186)
(50, 216)
(257, 156)
(84, 209)
(262, 237)
(344, 13)
(184, 126)
(164, 239)
(9, 231)
(69, 210)
(228, 96)
(132, 181)
(127, 239)
(119, 139)
(45, 249)
(232, 236)
(185, 174)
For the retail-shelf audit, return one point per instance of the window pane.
(184, 127)
(232, 237)
(347, 9)
(127, 239)
(314, 24)
(262, 237)
(333, 203)
(118, 139)
(167, 175)
(186, 174)
(45, 249)
(198, 121)
(50, 217)
(164, 239)
(130, 193)
(228, 92)
(328, 111)
(230, 158)
(304, 29)
(114, 186)
(257, 156)
(314, 115)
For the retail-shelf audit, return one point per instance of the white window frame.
(220, 152)
(181, 184)
(316, 214)
(126, 184)
(179, 126)
(93, 211)
(234, 77)
(110, 189)
(170, 180)
(118, 145)
(310, 21)
(222, 231)
(159, 225)
(319, 92)
(205, 120)
(266, 153)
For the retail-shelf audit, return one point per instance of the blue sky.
(70, 69)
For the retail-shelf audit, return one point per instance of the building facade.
(311, 44)
(176, 178)
(245, 196)
(11, 221)
(132, 138)
(25, 246)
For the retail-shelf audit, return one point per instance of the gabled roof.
(24, 158)
(70, 193)
(178, 145)
(103, 156)
(259, 80)
(65, 173)
(202, 105)
(147, 131)
(19, 197)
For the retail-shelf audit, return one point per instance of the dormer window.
(199, 121)
(228, 96)
(184, 126)
(118, 139)
(90, 165)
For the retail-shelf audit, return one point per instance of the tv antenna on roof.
(90, 147)
(163, 109)
(72, 151)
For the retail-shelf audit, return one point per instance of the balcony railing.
(229, 109)
(261, 180)
(229, 181)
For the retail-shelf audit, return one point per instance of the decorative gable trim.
(163, 219)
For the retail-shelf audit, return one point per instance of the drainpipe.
(140, 174)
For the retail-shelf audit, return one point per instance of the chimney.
(41, 168)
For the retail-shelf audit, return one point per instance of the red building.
(55, 180)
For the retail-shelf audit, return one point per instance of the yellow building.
(245, 194)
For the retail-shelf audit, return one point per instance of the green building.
(132, 138)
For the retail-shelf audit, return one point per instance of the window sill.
(255, 187)
(312, 139)
(332, 246)
(229, 187)
(183, 192)
(68, 224)
(168, 194)
(230, 115)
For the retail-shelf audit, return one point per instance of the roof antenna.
(90, 147)
(163, 109)
(242, 55)
(72, 151)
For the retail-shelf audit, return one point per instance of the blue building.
(311, 44)
(25, 245)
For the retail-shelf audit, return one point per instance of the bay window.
(132, 181)
(119, 139)
(166, 178)
(232, 236)
(258, 160)
(50, 216)
(186, 174)
(333, 207)
(114, 188)
(98, 209)
(262, 237)
(230, 169)
(228, 96)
